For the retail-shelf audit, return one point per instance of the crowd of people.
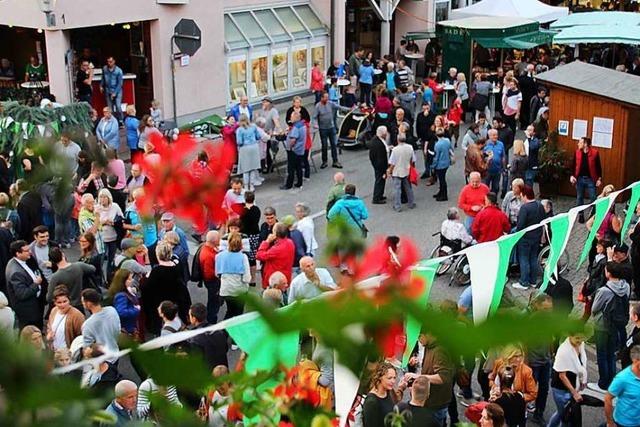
(131, 278)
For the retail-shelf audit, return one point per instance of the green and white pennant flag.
(602, 206)
(41, 129)
(427, 273)
(633, 203)
(265, 348)
(489, 263)
(560, 226)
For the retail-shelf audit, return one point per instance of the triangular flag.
(16, 127)
(30, 128)
(560, 226)
(41, 130)
(25, 133)
(484, 261)
(413, 326)
(56, 127)
(270, 350)
(8, 121)
(346, 386)
(602, 206)
(633, 202)
(506, 245)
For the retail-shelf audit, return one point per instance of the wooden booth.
(602, 104)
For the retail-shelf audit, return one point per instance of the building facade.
(248, 47)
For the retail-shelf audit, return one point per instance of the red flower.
(174, 187)
(391, 339)
(285, 424)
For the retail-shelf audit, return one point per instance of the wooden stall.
(602, 104)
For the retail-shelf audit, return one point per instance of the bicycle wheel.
(563, 261)
(461, 272)
(444, 265)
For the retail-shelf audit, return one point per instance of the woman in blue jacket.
(131, 124)
(108, 130)
(125, 301)
(441, 162)
(366, 82)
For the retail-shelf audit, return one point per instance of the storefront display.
(278, 44)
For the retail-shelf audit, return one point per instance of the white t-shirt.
(59, 326)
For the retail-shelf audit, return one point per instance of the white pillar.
(57, 44)
(385, 27)
(339, 33)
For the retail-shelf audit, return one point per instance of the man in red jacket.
(586, 173)
(490, 223)
(471, 199)
(276, 254)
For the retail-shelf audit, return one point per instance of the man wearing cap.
(168, 221)
(619, 253)
(270, 115)
(131, 247)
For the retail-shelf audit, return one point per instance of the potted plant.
(552, 165)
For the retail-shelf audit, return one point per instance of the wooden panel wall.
(618, 167)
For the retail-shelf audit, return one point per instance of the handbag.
(463, 379)
(363, 228)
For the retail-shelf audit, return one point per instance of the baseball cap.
(288, 220)
(128, 243)
(167, 216)
(621, 247)
(268, 99)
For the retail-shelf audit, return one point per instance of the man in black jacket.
(380, 161)
(24, 286)
(531, 212)
(212, 346)
(29, 210)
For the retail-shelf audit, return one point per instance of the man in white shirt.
(400, 161)
(311, 282)
(306, 226)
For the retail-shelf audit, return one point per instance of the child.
(156, 112)
(349, 99)
(454, 116)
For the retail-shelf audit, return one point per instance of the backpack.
(179, 348)
(196, 269)
(616, 312)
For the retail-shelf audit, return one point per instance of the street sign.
(188, 36)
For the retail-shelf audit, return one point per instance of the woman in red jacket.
(317, 81)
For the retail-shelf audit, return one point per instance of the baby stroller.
(354, 129)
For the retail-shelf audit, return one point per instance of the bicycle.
(461, 275)
(545, 252)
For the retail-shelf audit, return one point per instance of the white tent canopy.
(531, 9)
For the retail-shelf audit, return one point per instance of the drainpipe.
(332, 42)
(173, 83)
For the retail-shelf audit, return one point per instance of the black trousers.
(365, 93)
(214, 301)
(294, 166)
(442, 180)
(306, 166)
(378, 186)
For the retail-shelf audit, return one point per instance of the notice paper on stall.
(602, 135)
(579, 129)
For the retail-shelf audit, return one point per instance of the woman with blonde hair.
(108, 213)
(32, 336)
(380, 400)
(519, 162)
(247, 138)
(232, 266)
(513, 356)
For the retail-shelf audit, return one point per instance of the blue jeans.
(606, 346)
(440, 415)
(542, 375)
(528, 260)
(560, 397)
(115, 105)
(585, 183)
(493, 181)
(530, 177)
(468, 223)
(329, 135)
(398, 184)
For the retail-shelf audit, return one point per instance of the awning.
(597, 18)
(419, 35)
(521, 41)
(599, 34)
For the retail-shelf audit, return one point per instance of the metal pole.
(173, 83)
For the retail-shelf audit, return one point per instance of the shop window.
(232, 35)
(251, 28)
(259, 77)
(280, 67)
(237, 78)
(299, 68)
(310, 19)
(317, 55)
(442, 10)
(293, 24)
(272, 25)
